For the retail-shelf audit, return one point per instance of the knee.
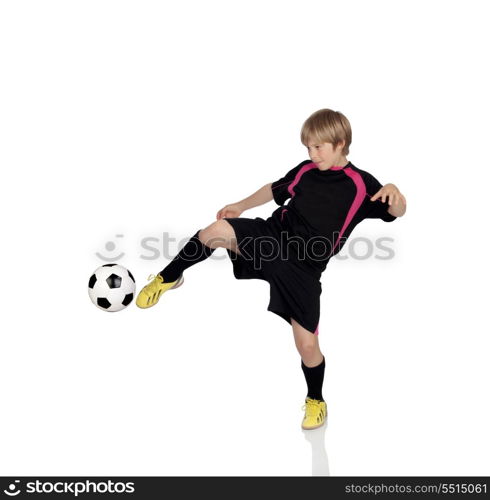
(214, 235)
(308, 349)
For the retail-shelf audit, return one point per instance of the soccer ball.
(111, 287)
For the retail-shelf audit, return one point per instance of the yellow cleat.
(152, 292)
(315, 413)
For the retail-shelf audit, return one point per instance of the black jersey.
(326, 205)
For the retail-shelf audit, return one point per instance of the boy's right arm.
(277, 191)
(263, 195)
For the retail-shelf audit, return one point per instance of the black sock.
(193, 252)
(314, 379)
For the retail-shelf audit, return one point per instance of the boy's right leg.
(219, 234)
(198, 248)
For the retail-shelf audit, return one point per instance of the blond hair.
(326, 125)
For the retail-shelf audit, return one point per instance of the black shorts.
(294, 287)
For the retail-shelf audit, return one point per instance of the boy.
(328, 196)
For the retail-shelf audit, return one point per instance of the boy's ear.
(340, 145)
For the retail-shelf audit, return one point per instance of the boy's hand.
(233, 210)
(391, 192)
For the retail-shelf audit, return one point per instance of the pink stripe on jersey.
(302, 170)
(358, 199)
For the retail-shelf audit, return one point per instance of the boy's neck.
(341, 162)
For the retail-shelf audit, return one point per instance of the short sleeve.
(375, 209)
(280, 187)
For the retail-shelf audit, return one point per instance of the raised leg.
(219, 234)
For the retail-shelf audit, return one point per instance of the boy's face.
(324, 155)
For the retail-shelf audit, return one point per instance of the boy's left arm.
(396, 201)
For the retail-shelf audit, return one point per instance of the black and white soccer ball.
(111, 287)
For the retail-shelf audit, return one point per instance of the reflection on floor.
(319, 459)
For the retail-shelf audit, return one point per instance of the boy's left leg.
(313, 365)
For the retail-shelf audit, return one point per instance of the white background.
(144, 118)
